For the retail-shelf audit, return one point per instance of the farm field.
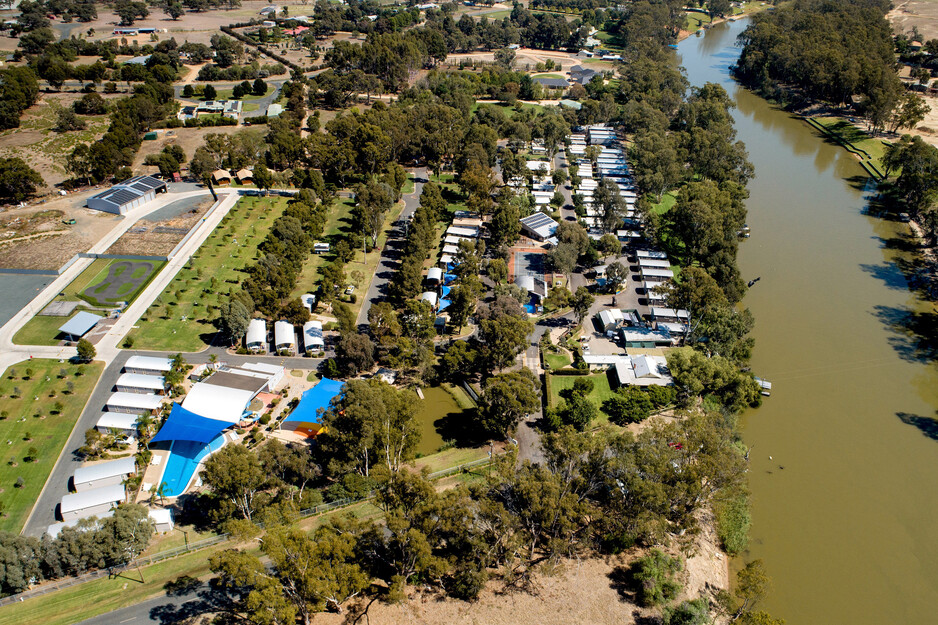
(32, 415)
(104, 283)
(182, 316)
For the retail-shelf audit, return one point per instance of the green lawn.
(225, 94)
(857, 138)
(548, 76)
(29, 415)
(601, 391)
(695, 21)
(667, 201)
(182, 317)
(557, 361)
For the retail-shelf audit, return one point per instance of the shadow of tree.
(206, 600)
(928, 426)
(621, 581)
(915, 334)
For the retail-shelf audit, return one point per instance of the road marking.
(127, 620)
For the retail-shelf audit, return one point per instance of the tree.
(654, 578)
(373, 200)
(209, 93)
(752, 585)
(129, 11)
(616, 275)
(504, 337)
(506, 399)
(86, 351)
(263, 178)
(17, 179)
(356, 352)
(505, 57)
(259, 87)
(371, 423)
(20, 562)
(582, 302)
(235, 475)
(505, 226)
(174, 10)
(628, 405)
(235, 319)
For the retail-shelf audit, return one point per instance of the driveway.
(387, 266)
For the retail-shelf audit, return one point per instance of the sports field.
(40, 401)
(104, 284)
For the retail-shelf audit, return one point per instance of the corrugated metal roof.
(80, 324)
(91, 498)
(102, 470)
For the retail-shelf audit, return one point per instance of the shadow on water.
(915, 334)
(888, 274)
(928, 426)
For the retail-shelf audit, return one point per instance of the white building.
(123, 423)
(111, 473)
(140, 383)
(642, 371)
(284, 336)
(312, 337)
(538, 226)
(256, 338)
(128, 195)
(148, 365)
(92, 502)
(134, 403)
(163, 519)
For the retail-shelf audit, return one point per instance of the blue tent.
(183, 425)
(305, 417)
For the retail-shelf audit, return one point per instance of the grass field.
(29, 415)
(667, 201)
(695, 21)
(182, 317)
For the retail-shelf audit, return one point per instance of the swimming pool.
(184, 458)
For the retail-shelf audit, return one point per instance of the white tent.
(217, 402)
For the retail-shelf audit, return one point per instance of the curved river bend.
(844, 453)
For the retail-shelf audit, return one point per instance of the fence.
(212, 540)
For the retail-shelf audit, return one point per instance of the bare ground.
(579, 592)
(51, 252)
(153, 242)
(921, 14)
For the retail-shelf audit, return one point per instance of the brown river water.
(844, 464)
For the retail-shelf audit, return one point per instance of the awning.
(315, 398)
(183, 425)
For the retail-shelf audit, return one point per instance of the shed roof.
(540, 223)
(117, 420)
(80, 324)
(219, 403)
(103, 470)
(246, 381)
(135, 400)
(284, 333)
(312, 334)
(140, 380)
(152, 363)
(257, 331)
(94, 497)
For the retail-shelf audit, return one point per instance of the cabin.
(284, 337)
(101, 474)
(256, 338)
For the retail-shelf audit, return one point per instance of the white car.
(350, 289)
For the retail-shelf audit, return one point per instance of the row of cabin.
(284, 339)
(223, 177)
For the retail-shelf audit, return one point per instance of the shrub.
(20, 482)
(653, 577)
(733, 522)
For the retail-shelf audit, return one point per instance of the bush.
(653, 577)
(694, 612)
(468, 582)
(629, 405)
(733, 522)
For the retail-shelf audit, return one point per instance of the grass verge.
(30, 420)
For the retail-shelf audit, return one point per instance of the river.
(844, 453)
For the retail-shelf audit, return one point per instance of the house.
(312, 337)
(128, 195)
(538, 226)
(138, 60)
(111, 473)
(140, 383)
(256, 338)
(610, 320)
(638, 336)
(245, 176)
(551, 83)
(430, 297)
(655, 274)
(134, 403)
(284, 337)
(669, 315)
(642, 371)
(221, 176)
(92, 502)
(79, 325)
(122, 423)
(582, 75)
(163, 519)
(434, 275)
(148, 365)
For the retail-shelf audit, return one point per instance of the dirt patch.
(158, 238)
(58, 242)
(580, 592)
(920, 14)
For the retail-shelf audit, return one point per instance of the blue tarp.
(449, 277)
(444, 304)
(183, 425)
(315, 398)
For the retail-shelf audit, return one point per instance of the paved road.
(377, 290)
(165, 609)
